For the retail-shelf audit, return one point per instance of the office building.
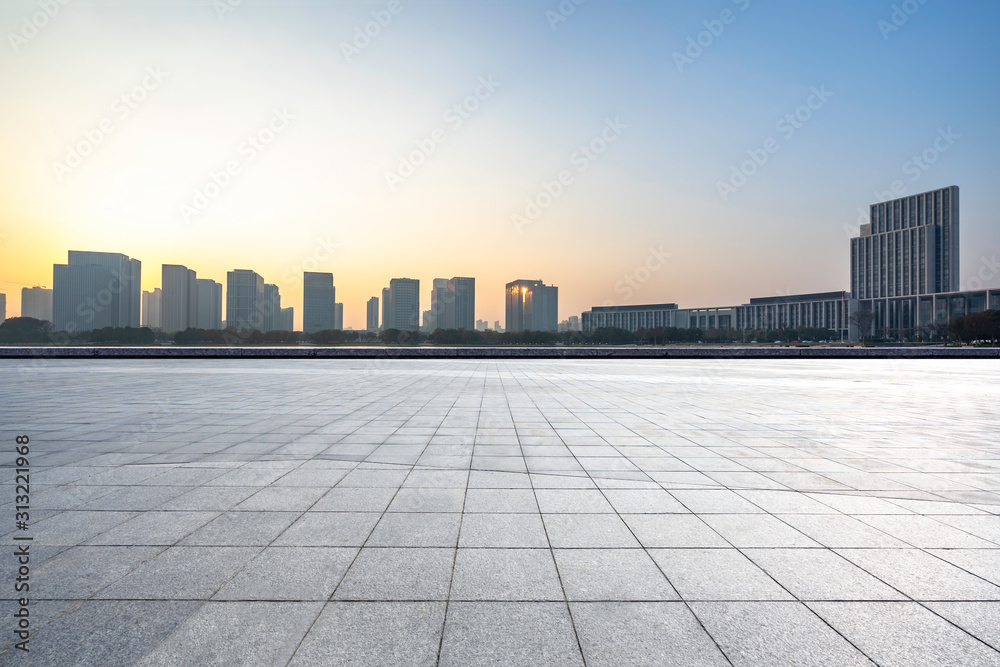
(272, 308)
(496, 326)
(287, 320)
(36, 302)
(401, 305)
(152, 305)
(386, 308)
(460, 304)
(209, 315)
(532, 306)
(482, 325)
(437, 316)
(429, 325)
(3, 308)
(373, 314)
(338, 316)
(244, 300)
(94, 290)
(318, 299)
(906, 253)
(908, 247)
(179, 306)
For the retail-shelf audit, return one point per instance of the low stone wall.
(680, 352)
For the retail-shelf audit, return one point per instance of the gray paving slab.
(611, 575)
(236, 633)
(643, 633)
(905, 633)
(374, 634)
(398, 574)
(761, 634)
(505, 575)
(509, 634)
(717, 574)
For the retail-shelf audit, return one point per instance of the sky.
(695, 152)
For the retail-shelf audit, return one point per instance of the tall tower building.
(318, 299)
(36, 302)
(287, 322)
(908, 247)
(244, 300)
(532, 306)
(373, 314)
(338, 316)
(3, 308)
(272, 308)
(152, 305)
(404, 299)
(437, 316)
(94, 290)
(209, 304)
(386, 308)
(461, 304)
(179, 308)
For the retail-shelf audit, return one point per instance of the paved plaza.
(514, 512)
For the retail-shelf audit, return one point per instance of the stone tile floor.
(790, 512)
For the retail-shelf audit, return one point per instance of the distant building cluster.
(904, 276)
(904, 281)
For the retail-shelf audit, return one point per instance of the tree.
(25, 330)
(863, 319)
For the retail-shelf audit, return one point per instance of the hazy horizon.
(415, 153)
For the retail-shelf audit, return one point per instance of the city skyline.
(597, 138)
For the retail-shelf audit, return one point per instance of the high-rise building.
(428, 324)
(338, 316)
(152, 305)
(482, 325)
(386, 308)
(179, 308)
(909, 247)
(244, 300)
(404, 298)
(94, 290)
(437, 316)
(36, 302)
(496, 326)
(373, 314)
(318, 299)
(209, 304)
(461, 304)
(3, 308)
(272, 308)
(532, 306)
(287, 322)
